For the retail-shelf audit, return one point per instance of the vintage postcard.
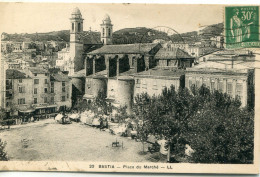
(147, 88)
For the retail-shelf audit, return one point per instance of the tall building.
(18, 91)
(36, 91)
(106, 30)
(76, 41)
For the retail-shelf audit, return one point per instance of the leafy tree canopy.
(212, 123)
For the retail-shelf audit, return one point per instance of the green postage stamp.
(242, 26)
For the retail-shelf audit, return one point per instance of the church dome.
(106, 19)
(76, 11)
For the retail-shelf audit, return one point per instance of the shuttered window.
(239, 90)
(229, 88)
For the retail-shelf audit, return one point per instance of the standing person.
(100, 123)
(163, 146)
(32, 119)
(236, 26)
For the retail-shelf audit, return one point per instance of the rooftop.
(99, 74)
(15, 74)
(127, 73)
(37, 70)
(161, 72)
(236, 64)
(173, 53)
(233, 52)
(228, 71)
(80, 73)
(59, 77)
(91, 47)
(125, 49)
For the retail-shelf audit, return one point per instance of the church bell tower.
(76, 41)
(106, 30)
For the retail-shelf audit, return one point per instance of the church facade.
(71, 59)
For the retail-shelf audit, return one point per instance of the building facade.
(63, 57)
(231, 81)
(37, 92)
(61, 90)
(17, 47)
(6, 46)
(173, 58)
(18, 91)
(155, 80)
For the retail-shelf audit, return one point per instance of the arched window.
(103, 31)
(72, 28)
(79, 27)
(109, 32)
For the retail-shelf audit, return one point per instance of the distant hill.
(213, 30)
(138, 35)
(54, 36)
(64, 35)
(122, 36)
(204, 33)
(144, 35)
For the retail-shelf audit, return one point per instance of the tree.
(101, 104)
(141, 110)
(221, 132)
(212, 123)
(3, 154)
(122, 114)
(2, 114)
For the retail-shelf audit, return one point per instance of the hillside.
(138, 35)
(144, 35)
(205, 33)
(64, 35)
(212, 30)
(122, 36)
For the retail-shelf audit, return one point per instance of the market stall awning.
(52, 106)
(47, 106)
(26, 108)
(74, 116)
(88, 96)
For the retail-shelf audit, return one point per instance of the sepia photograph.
(154, 88)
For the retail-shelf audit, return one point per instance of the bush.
(3, 154)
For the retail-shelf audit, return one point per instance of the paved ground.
(48, 140)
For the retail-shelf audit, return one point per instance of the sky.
(46, 17)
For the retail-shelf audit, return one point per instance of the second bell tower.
(106, 30)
